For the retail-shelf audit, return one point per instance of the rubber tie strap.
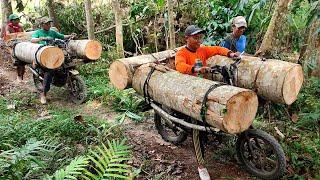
(35, 54)
(146, 94)
(204, 107)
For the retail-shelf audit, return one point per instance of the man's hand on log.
(202, 70)
(234, 55)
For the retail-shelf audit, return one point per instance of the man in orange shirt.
(187, 62)
(186, 57)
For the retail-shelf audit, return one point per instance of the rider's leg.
(47, 79)
(203, 172)
(20, 72)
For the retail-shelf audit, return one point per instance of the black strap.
(35, 54)
(204, 106)
(146, 94)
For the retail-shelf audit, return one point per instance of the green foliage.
(72, 171)
(28, 160)
(108, 162)
(309, 105)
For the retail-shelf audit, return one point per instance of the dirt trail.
(157, 159)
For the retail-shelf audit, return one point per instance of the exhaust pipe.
(35, 73)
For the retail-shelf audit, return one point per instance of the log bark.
(89, 19)
(273, 80)
(6, 10)
(278, 17)
(86, 49)
(172, 37)
(52, 14)
(47, 56)
(119, 29)
(230, 109)
(121, 71)
(310, 50)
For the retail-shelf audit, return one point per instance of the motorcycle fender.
(74, 72)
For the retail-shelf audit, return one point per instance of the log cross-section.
(231, 109)
(86, 49)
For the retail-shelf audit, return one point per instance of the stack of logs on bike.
(52, 57)
(229, 108)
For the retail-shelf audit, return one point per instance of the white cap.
(239, 21)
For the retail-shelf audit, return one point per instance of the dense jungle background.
(110, 133)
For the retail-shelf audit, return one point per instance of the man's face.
(15, 21)
(238, 31)
(194, 41)
(46, 26)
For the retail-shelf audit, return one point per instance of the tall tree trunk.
(89, 19)
(118, 20)
(310, 51)
(52, 14)
(277, 20)
(172, 36)
(6, 10)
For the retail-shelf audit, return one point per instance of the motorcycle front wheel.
(261, 154)
(77, 89)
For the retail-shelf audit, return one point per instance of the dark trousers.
(47, 80)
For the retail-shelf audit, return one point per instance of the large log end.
(93, 50)
(120, 75)
(241, 111)
(51, 57)
(292, 84)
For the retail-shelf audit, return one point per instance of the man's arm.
(35, 38)
(181, 63)
(217, 50)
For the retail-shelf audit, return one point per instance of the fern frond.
(73, 170)
(109, 161)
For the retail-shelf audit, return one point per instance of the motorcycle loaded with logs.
(259, 152)
(66, 75)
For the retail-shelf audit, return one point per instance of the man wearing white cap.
(236, 41)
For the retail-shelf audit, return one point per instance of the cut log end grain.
(292, 84)
(93, 50)
(51, 57)
(119, 74)
(241, 110)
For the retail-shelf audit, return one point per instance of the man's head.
(15, 19)
(45, 23)
(239, 25)
(194, 36)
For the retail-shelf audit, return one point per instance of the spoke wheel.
(169, 131)
(261, 154)
(77, 89)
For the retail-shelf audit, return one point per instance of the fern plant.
(72, 171)
(26, 161)
(108, 162)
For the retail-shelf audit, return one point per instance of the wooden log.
(86, 49)
(46, 56)
(273, 80)
(231, 109)
(19, 35)
(121, 71)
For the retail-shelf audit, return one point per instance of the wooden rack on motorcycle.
(61, 57)
(184, 103)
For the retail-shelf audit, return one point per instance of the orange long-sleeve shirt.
(185, 59)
